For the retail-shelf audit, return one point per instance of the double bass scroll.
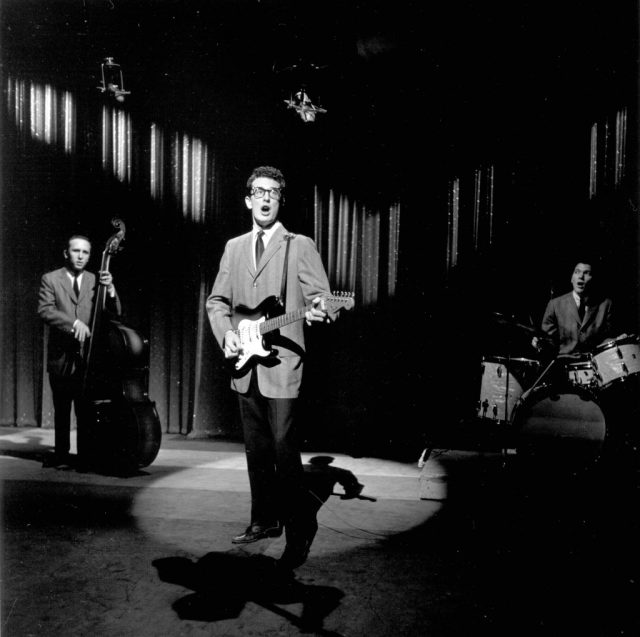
(121, 427)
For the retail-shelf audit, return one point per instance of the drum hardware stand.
(504, 451)
(503, 448)
(537, 381)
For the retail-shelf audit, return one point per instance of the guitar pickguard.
(251, 342)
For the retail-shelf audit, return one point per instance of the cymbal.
(505, 321)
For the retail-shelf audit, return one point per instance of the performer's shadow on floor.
(223, 583)
(320, 480)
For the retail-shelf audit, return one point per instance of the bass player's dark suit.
(59, 308)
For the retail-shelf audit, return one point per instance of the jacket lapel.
(247, 253)
(84, 286)
(572, 308)
(589, 312)
(65, 283)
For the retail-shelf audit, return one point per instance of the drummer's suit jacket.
(238, 283)
(59, 308)
(562, 322)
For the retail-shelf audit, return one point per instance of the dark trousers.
(65, 391)
(273, 455)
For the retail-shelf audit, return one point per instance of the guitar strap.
(283, 288)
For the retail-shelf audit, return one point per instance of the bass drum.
(560, 427)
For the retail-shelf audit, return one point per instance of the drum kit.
(559, 412)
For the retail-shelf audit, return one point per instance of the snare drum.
(503, 381)
(582, 374)
(616, 360)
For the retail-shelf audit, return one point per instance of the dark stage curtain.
(163, 275)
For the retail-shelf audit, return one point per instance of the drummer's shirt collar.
(576, 298)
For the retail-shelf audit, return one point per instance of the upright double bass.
(121, 424)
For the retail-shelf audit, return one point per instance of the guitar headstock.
(339, 301)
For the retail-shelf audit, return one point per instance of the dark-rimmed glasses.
(259, 193)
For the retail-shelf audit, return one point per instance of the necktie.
(259, 246)
(76, 287)
(581, 308)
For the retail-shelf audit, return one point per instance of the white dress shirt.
(268, 233)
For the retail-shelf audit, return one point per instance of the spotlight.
(112, 80)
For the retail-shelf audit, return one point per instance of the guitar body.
(122, 426)
(254, 325)
(120, 435)
(255, 345)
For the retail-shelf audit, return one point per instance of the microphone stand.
(503, 436)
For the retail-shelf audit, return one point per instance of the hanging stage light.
(112, 80)
(302, 104)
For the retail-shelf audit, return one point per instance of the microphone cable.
(356, 528)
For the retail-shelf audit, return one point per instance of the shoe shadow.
(223, 583)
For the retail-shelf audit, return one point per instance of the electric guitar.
(253, 325)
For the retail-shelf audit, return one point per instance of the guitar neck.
(280, 321)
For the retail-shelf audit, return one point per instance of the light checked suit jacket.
(238, 283)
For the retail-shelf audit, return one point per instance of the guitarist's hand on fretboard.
(318, 311)
(232, 345)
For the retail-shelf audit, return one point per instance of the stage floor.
(468, 542)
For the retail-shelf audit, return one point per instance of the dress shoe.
(255, 532)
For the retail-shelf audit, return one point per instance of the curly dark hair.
(588, 259)
(266, 171)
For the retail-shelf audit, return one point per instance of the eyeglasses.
(259, 193)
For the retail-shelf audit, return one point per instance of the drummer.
(573, 326)
(579, 320)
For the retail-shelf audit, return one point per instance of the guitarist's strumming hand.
(318, 311)
(232, 345)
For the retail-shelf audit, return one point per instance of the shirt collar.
(576, 298)
(268, 232)
(71, 276)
